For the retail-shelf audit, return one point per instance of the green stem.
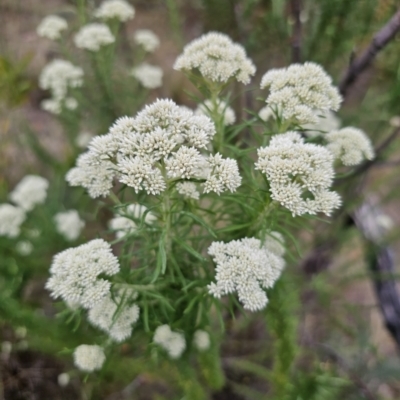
(139, 288)
(218, 121)
(81, 11)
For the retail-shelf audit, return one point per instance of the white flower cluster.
(51, 27)
(301, 91)
(188, 190)
(29, 192)
(222, 109)
(58, 76)
(246, 267)
(89, 358)
(83, 139)
(172, 342)
(327, 122)
(11, 218)
(115, 9)
(96, 175)
(158, 146)
(224, 175)
(217, 59)
(201, 339)
(150, 76)
(126, 225)
(24, 247)
(350, 145)
(299, 174)
(92, 36)
(74, 273)
(114, 318)
(68, 224)
(147, 39)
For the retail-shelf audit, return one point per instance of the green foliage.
(14, 84)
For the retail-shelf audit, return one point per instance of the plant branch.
(379, 41)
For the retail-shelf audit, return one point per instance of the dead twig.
(366, 219)
(359, 64)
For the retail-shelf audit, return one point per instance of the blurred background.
(342, 325)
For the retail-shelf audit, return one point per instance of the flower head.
(162, 143)
(246, 267)
(89, 358)
(115, 9)
(51, 27)
(224, 175)
(83, 139)
(201, 339)
(172, 342)
(95, 175)
(299, 174)
(114, 318)
(216, 58)
(327, 122)
(68, 224)
(188, 190)
(148, 75)
(147, 39)
(74, 273)
(58, 76)
(93, 36)
(24, 247)
(29, 192)
(11, 218)
(301, 91)
(350, 145)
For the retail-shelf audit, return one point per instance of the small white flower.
(89, 358)
(147, 39)
(216, 58)
(11, 218)
(93, 36)
(94, 175)
(299, 174)
(58, 76)
(300, 92)
(222, 109)
(201, 340)
(24, 247)
(327, 122)
(172, 342)
(148, 75)
(71, 103)
(6, 348)
(395, 121)
(68, 224)
(188, 190)
(118, 9)
(124, 225)
(350, 145)
(114, 319)
(74, 273)
(52, 106)
(29, 192)
(83, 139)
(51, 27)
(63, 379)
(245, 267)
(224, 175)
